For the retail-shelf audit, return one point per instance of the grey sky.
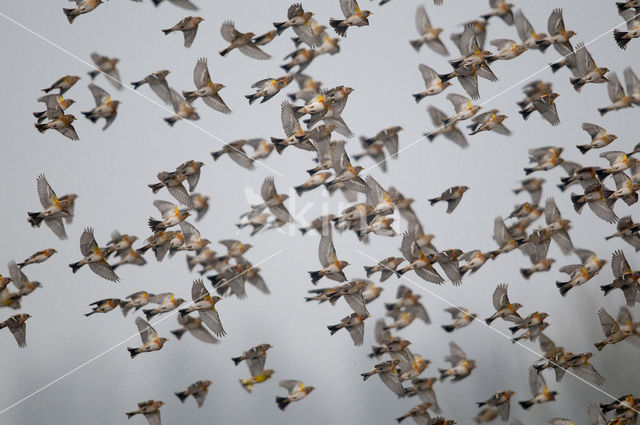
(110, 170)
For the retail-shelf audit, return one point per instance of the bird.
(451, 196)
(332, 267)
(150, 409)
(353, 17)
(447, 128)
(268, 87)
(18, 328)
(194, 326)
(185, 4)
(108, 66)
(166, 302)
(461, 366)
(205, 304)
(297, 391)
(429, 36)
(82, 7)
(489, 121)
(612, 331)
(150, 340)
(240, 41)
(504, 308)
(501, 9)
(104, 306)
(248, 384)
(135, 301)
(461, 317)
(501, 401)
(189, 28)
(546, 106)
(619, 100)
(94, 257)
(206, 89)
(38, 257)
(388, 373)
(420, 262)
(589, 72)
(599, 138)
(198, 390)
(632, 20)
(527, 34)
(105, 107)
(300, 21)
(52, 102)
(63, 84)
(559, 36)
(61, 122)
(181, 108)
(171, 216)
(158, 83)
(539, 390)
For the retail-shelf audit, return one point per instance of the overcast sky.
(110, 171)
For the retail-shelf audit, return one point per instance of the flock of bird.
(311, 117)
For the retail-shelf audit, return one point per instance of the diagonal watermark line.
(492, 98)
(77, 368)
(554, 364)
(159, 105)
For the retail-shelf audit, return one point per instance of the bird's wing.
(268, 189)
(212, 320)
(254, 51)
(214, 101)
(147, 332)
(227, 30)
(104, 270)
(201, 75)
(609, 325)
(423, 25)
(87, 242)
(326, 251)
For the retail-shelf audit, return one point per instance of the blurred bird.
(461, 366)
(619, 100)
(628, 230)
(527, 34)
(63, 84)
(501, 401)
(501, 9)
(105, 107)
(104, 306)
(107, 66)
(188, 26)
(546, 106)
(185, 4)
(451, 196)
(198, 390)
(166, 302)
(434, 83)
(135, 301)
(599, 137)
(589, 72)
(489, 121)
(297, 391)
(461, 318)
(38, 257)
(331, 266)
(82, 7)
(539, 390)
(158, 83)
(388, 373)
(419, 413)
(18, 328)
(150, 409)
(248, 384)
(447, 128)
(429, 36)
(558, 35)
(181, 108)
(52, 102)
(194, 326)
